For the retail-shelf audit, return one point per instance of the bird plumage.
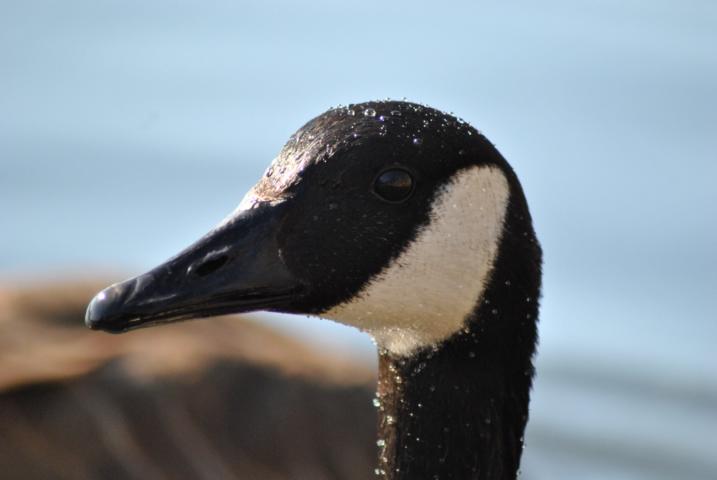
(407, 223)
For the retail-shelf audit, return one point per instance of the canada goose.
(406, 223)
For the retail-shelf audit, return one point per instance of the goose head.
(406, 223)
(387, 216)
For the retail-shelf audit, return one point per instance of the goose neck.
(455, 411)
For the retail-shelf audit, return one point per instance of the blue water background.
(129, 128)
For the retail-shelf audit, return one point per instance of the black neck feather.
(451, 414)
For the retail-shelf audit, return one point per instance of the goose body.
(406, 223)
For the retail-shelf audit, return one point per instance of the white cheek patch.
(425, 294)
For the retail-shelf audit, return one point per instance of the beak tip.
(105, 308)
(96, 311)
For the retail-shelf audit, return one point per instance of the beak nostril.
(209, 265)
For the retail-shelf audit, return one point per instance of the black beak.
(235, 268)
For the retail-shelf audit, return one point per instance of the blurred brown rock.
(216, 399)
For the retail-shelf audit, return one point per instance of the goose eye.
(394, 185)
